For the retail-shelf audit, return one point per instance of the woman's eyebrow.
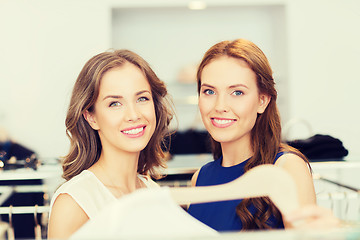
(112, 96)
(119, 96)
(143, 91)
(207, 85)
(238, 85)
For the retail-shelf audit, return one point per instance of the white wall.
(172, 38)
(324, 48)
(44, 44)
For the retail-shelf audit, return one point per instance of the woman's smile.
(134, 132)
(222, 122)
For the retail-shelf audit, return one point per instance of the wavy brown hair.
(85, 144)
(266, 133)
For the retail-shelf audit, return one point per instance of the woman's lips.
(134, 132)
(222, 122)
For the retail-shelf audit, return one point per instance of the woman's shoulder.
(204, 170)
(69, 207)
(210, 167)
(285, 156)
(79, 187)
(86, 191)
(293, 163)
(79, 181)
(212, 164)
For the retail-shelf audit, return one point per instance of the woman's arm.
(301, 174)
(66, 217)
(312, 217)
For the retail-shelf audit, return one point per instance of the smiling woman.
(117, 119)
(237, 102)
(123, 113)
(234, 101)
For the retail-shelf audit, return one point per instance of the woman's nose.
(221, 104)
(132, 113)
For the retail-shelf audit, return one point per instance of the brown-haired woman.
(237, 102)
(117, 119)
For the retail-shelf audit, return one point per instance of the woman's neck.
(235, 152)
(117, 170)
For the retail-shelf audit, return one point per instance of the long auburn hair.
(85, 144)
(266, 133)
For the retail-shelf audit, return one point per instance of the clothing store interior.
(314, 52)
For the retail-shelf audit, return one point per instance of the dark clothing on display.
(11, 149)
(189, 142)
(320, 147)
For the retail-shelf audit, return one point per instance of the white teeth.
(134, 131)
(221, 121)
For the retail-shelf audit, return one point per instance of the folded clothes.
(320, 147)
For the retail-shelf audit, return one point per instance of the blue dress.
(222, 216)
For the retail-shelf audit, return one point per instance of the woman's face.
(124, 113)
(229, 99)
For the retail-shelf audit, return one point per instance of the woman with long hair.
(237, 102)
(118, 116)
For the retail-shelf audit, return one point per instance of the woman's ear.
(90, 118)
(263, 103)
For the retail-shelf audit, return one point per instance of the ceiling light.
(197, 5)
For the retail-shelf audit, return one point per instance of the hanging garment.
(146, 213)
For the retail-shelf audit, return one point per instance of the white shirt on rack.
(90, 193)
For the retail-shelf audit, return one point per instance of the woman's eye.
(237, 93)
(209, 92)
(115, 104)
(143, 99)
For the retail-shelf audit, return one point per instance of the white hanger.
(264, 180)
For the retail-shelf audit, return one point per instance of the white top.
(90, 193)
(147, 213)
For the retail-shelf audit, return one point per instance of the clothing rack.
(342, 199)
(35, 210)
(337, 196)
(24, 209)
(320, 177)
(40, 213)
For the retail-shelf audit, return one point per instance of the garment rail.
(24, 209)
(342, 199)
(39, 230)
(320, 177)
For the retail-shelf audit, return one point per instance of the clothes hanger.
(264, 180)
(37, 228)
(10, 231)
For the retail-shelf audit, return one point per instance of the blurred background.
(312, 45)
